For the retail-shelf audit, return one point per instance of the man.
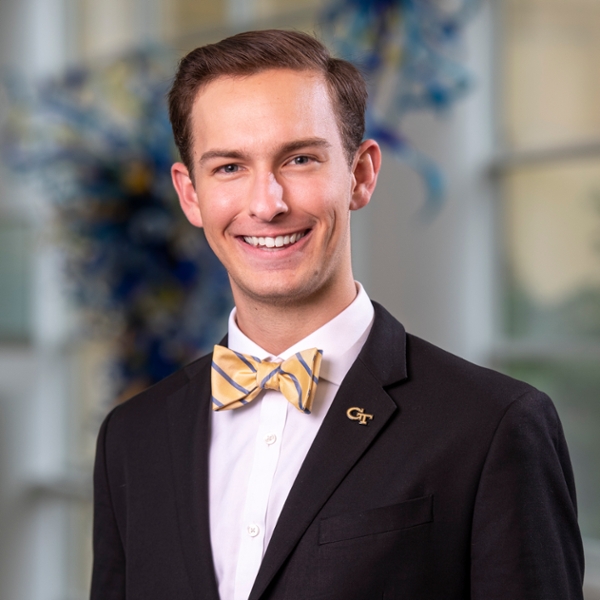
(406, 473)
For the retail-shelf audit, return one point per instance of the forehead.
(277, 105)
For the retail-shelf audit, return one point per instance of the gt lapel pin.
(358, 414)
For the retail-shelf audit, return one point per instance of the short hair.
(251, 52)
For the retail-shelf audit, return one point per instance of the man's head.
(274, 176)
(256, 51)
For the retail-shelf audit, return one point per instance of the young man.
(406, 473)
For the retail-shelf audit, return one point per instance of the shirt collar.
(341, 339)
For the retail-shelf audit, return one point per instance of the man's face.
(272, 185)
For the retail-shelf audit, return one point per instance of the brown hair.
(255, 51)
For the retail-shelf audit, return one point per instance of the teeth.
(276, 242)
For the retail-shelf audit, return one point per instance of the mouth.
(280, 241)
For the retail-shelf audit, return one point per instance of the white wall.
(39, 505)
(436, 277)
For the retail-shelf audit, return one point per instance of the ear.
(188, 199)
(365, 170)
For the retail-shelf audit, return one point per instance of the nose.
(267, 198)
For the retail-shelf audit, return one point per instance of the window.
(15, 273)
(549, 181)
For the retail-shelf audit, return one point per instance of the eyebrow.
(285, 149)
(221, 154)
(307, 143)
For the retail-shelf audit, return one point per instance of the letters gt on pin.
(358, 414)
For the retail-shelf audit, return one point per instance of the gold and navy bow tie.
(238, 378)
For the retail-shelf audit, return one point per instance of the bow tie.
(238, 378)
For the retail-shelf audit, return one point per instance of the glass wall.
(550, 203)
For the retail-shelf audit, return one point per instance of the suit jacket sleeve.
(525, 538)
(108, 575)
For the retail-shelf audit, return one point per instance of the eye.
(301, 160)
(232, 168)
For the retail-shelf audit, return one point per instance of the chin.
(280, 293)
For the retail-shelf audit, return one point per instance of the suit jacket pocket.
(377, 520)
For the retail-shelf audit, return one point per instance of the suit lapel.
(189, 435)
(340, 442)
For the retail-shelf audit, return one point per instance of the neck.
(277, 327)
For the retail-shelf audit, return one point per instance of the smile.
(274, 242)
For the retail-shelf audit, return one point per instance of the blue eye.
(301, 160)
(229, 168)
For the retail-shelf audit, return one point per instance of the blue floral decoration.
(100, 143)
(406, 50)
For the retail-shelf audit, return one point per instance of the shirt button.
(253, 530)
(270, 439)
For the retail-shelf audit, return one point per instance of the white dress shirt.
(257, 450)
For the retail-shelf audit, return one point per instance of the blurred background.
(104, 289)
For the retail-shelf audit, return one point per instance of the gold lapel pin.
(358, 414)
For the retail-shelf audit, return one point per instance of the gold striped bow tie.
(238, 378)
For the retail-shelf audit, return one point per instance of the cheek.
(218, 208)
(325, 198)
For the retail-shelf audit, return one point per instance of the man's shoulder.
(465, 391)
(435, 375)
(428, 360)
(152, 401)
(445, 401)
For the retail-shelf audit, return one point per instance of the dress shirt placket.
(267, 449)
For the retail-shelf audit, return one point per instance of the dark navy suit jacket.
(459, 488)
